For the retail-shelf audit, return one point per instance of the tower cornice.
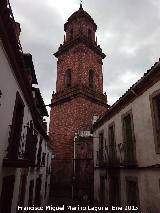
(80, 39)
(79, 91)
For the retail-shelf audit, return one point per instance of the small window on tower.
(89, 34)
(68, 78)
(91, 78)
(71, 34)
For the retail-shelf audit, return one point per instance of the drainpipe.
(74, 156)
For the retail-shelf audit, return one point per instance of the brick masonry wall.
(80, 26)
(66, 120)
(80, 59)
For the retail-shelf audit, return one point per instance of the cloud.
(128, 33)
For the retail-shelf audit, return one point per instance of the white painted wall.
(9, 86)
(145, 150)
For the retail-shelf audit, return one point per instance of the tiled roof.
(41, 103)
(29, 65)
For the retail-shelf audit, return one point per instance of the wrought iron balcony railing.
(123, 154)
(30, 148)
(104, 159)
(21, 154)
(127, 152)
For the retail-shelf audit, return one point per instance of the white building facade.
(127, 148)
(25, 153)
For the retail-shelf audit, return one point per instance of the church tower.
(79, 92)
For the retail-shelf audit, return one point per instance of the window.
(89, 34)
(31, 143)
(43, 159)
(68, 78)
(114, 190)
(45, 189)
(31, 187)
(37, 199)
(16, 128)
(47, 167)
(132, 191)
(102, 189)
(112, 144)
(155, 107)
(39, 153)
(101, 147)
(91, 78)
(128, 135)
(22, 190)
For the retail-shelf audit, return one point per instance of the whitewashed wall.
(145, 150)
(9, 86)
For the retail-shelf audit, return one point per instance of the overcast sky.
(128, 32)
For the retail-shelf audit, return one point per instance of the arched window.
(91, 78)
(89, 34)
(67, 78)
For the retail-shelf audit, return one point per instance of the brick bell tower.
(79, 94)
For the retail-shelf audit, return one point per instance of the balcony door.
(112, 143)
(16, 128)
(101, 147)
(37, 200)
(129, 139)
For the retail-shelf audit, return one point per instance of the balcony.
(121, 155)
(104, 159)
(30, 148)
(43, 162)
(128, 153)
(18, 156)
(15, 161)
(48, 171)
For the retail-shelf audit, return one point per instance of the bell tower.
(79, 92)
(79, 57)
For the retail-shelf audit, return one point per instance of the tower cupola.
(80, 23)
(79, 62)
